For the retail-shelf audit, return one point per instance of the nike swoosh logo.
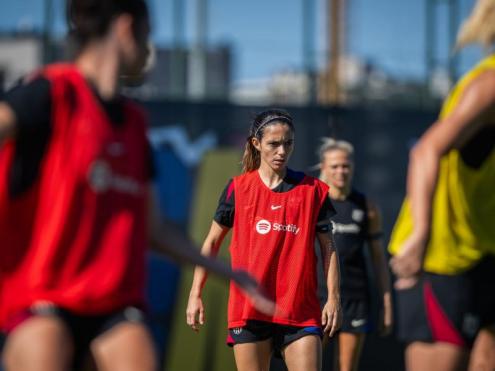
(358, 322)
(276, 207)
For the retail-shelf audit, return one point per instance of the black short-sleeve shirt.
(224, 214)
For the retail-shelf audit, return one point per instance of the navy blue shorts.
(356, 316)
(2, 341)
(281, 335)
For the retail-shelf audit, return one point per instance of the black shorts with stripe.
(451, 309)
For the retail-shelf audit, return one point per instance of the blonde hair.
(479, 27)
(330, 144)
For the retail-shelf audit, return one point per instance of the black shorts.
(281, 335)
(2, 342)
(356, 316)
(84, 329)
(451, 309)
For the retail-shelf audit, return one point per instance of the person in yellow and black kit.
(444, 239)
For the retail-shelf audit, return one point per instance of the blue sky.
(266, 34)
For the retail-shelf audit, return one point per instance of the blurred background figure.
(356, 225)
(76, 208)
(444, 238)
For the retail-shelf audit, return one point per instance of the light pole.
(47, 31)
(197, 67)
(178, 53)
(308, 47)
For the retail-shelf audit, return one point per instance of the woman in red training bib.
(275, 214)
(76, 206)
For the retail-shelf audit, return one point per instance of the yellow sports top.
(463, 210)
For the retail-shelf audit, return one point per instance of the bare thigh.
(40, 343)
(483, 353)
(348, 351)
(125, 347)
(421, 356)
(304, 354)
(253, 356)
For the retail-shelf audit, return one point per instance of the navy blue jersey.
(350, 233)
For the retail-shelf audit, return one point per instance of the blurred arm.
(331, 316)
(451, 132)
(442, 136)
(7, 121)
(167, 238)
(330, 264)
(379, 262)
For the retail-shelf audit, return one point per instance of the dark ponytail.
(90, 19)
(251, 159)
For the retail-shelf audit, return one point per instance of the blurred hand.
(254, 292)
(407, 264)
(406, 283)
(195, 313)
(331, 316)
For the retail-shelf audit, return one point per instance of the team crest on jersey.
(102, 178)
(263, 226)
(237, 330)
(116, 149)
(357, 215)
(99, 176)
